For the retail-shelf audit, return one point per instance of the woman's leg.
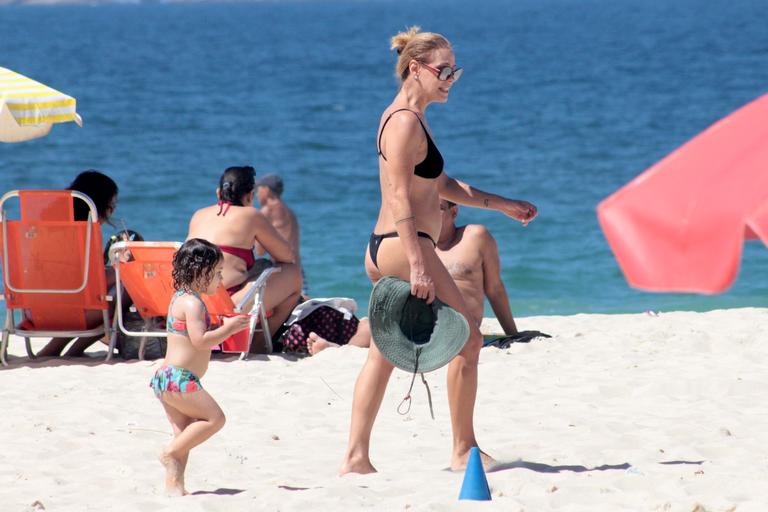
(53, 347)
(361, 338)
(369, 392)
(462, 370)
(93, 319)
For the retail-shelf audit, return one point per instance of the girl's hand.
(236, 323)
(422, 285)
(523, 211)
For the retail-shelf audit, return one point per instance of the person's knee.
(296, 279)
(471, 350)
(218, 420)
(375, 358)
(291, 276)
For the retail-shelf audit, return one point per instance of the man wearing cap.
(471, 256)
(269, 191)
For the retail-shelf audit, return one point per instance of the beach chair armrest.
(256, 287)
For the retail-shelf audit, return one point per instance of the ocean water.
(561, 103)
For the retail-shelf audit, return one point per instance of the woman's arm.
(202, 339)
(271, 240)
(402, 147)
(462, 193)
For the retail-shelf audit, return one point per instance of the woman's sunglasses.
(445, 73)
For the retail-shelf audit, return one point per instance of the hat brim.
(449, 335)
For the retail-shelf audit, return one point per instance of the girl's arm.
(201, 339)
(270, 240)
(462, 193)
(403, 138)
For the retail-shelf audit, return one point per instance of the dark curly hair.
(194, 263)
(235, 183)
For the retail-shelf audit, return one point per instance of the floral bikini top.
(180, 326)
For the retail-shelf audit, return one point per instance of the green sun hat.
(411, 334)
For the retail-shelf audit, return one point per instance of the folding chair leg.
(110, 333)
(28, 345)
(265, 328)
(4, 345)
(142, 347)
(143, 340)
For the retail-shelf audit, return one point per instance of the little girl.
(194, 414)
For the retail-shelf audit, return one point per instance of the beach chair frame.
(255, 291)
(10, 326)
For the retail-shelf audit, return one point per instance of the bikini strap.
(381, 133)
(176, 295)
(223, 208)
(181, 292)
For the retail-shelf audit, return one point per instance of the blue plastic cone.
(475, 486)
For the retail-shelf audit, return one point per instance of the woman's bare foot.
(361, 466)
(316, 343)
(174, 475)
(459, 461)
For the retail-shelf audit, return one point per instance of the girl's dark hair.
(235, 183)
(100, 188)
(194, 263)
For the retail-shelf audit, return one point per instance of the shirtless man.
(471, 256)
(269, 189)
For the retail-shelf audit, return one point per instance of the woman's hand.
(523, 211)
(422, 285)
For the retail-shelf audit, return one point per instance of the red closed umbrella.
(680, 225)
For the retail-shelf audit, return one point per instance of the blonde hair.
(415, 45)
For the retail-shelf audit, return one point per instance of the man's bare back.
(269, 190)
(284, 221)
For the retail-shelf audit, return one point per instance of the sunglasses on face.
(445, 73)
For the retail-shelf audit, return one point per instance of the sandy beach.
(657, 412)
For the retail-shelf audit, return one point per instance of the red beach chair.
(53, 271)
(144, 269)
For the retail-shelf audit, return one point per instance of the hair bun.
(401, 40)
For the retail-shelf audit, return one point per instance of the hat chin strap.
(405, 404)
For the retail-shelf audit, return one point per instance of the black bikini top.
(432, 165)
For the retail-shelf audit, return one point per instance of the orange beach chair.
(146, 277)
(53, 271)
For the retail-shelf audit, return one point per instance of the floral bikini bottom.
(176, 379)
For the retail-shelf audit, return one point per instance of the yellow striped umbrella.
(28, 108)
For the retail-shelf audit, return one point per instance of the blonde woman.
(412, 181)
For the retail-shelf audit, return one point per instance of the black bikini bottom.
(375, 241)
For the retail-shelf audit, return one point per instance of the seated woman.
(236, 226)
(103, 192)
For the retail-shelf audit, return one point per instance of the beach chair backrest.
(52, 264)
(147, 275)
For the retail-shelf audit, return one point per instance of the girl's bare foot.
(174, 475)
(361, 466)
(316, 343)
(459, 461)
